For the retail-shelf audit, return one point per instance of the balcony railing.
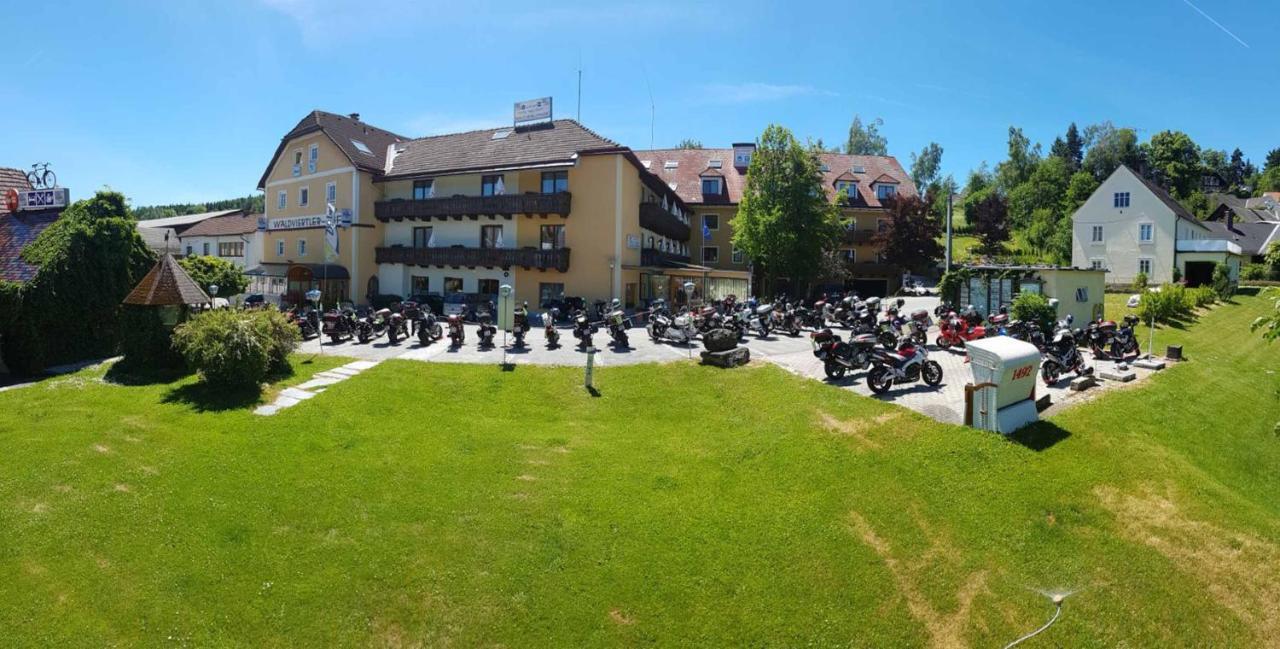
(463, 257)
(658, 220)
(655, 257)
(858, 237)
(472, 206)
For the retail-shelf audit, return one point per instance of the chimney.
(355, 116)
(1231, 220)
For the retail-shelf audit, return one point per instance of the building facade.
(711, 182)
(1130, 225)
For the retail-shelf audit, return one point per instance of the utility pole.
(947, 263)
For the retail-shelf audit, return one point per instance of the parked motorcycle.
(678, 329)
(910, 363)
(340, 325)
(759, 319)
(423, 322)
(1125, 344)
(307, 321)
(1061, 355)
(838, 356)
(487, 331)
(371, 326)
(549, 328)
(583, 329)
(520, 324)
(457, 334)
(955, 330)
(918, 326)
(617, 323)
(396, 324)
(789, 318)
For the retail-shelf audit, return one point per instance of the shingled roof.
(1253, 238)
(12, 179)
(17, 231)
(344, 131)
(221, 226)
(682, 168)
(557, 142)
(166, 284)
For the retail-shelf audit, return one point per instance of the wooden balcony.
(660, 221)
(858, 237)
(655, 257)
(463, 257)
(472, 207)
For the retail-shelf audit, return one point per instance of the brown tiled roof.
(17, 231)
(165, 284)
(711, 172)
(691, 163)
(885, 179)
(11, 179)
(344, 131)
(557, 142)
(224, 226)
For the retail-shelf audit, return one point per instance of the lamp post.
(314, 296)
(213, 295)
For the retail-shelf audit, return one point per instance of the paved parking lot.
(945, 403)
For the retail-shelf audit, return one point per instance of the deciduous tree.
(1174, 160)
(1022, 161)
(866, 140)
(988, 213)
(926, 166)
(911, 238)
(208, 271)
(1108, 148)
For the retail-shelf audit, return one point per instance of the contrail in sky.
(1218, 24)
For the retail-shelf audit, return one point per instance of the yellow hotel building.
(552, 209)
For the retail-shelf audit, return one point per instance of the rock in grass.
(719, 340)
(727, 358)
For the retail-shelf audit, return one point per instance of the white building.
(1130, 225)
(235, 238)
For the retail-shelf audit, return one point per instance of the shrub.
(1177, 274)
(1140, 282)
(1171, 302)
(1222, 284)
(229, 348)
(146, 343)
(1202, 296)
(207, 270)
(1255, 272)
(1034, 307)
(281, 336)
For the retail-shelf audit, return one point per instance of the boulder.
(727, 358)
(719, 340)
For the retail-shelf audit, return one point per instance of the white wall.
(1120, 249)
(450, 232)
(396, 279)
(252, 247)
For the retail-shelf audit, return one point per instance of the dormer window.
(742, 155)
(671, 164)
(884, 191)
(849, 187)
(710, 186)
(859, 169)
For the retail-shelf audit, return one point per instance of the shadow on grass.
(204, 397)
(1040, 436)
(133, 374)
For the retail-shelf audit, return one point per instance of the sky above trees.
(185, 101)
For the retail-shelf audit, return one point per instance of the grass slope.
(432, 504)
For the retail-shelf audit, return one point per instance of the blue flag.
(706, 231)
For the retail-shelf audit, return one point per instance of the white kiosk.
(1002, 397)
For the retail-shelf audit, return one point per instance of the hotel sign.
(296, 223)
(533, 110)
(43, 199)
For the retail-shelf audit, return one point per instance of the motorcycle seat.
(865, 339)
(824, 336)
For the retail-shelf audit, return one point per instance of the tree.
(1272, 161)
(988, 213)
(911, 238)
(208, 270)
(1108, 148)
(1241, 170)
(1222, 284)
(1049, 234)
(252, 204)
(1079, 189)
(1022, 161)
(866, 140)
(1044, 188)
(979, 179)
(1174, 159)
(1267, 181)
(1070, 149)
(784, 221)
(1215, 160)
(926, 166)
(689, 143)
(1197, 203)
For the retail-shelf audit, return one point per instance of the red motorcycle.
(955, 330)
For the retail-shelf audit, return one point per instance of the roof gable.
(166, 284)
(1163, 196)
(230, 224)
(559, 142)
(344, 131)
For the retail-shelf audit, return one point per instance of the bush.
(1256, 272)
(146, 343)
(1202, 296)
(1171, 302)
(1222, 284)
(207, 270)
(1034, 307)
(236, 348)
(1140, 282)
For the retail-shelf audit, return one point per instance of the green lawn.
(431, 504)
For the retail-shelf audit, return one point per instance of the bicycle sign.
(41, 178)
(39, 199)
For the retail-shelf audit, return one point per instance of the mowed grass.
(432, 505)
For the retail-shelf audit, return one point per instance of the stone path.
(318, 383)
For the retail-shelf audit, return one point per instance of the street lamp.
(213, 295)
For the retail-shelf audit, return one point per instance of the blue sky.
(186, 100)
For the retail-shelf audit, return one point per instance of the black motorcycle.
(423, 323)
(520, 324)
(457, 334)
(583, 328)
(788, 319)
(397, 325)
(617, 323)
(340, 325)
(487, 331)
(371, 325)
(549, 328)
(838, 356)
(307, 321)
(1061, 355)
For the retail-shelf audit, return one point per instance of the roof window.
(671, 164)
(362, 147)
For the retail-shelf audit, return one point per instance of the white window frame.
(737, 256)
(704, 222)
(204, 249)
(1097, 234)
(1117, 198)
(312, 156)
(282, 199)
(1151, 231)
(719, 186)
(850, 187)
(1097, 263)
(849, 254)
(279, 247)
(1145, 261)
(331, 192)
(302, 247)
(304, 196)
(704, 254)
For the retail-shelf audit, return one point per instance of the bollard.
(591, 361)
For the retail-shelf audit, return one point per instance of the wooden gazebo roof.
(166, 284)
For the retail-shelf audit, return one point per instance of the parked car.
(255, 300)
(455, 304)
(433, 300)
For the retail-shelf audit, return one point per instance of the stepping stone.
(1123, 376)
(267, 410)
(320, 382)
(331, 375)
(344, 371)
(1149, 363)
(361, 365)
(295, 394)
(1082, 383)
